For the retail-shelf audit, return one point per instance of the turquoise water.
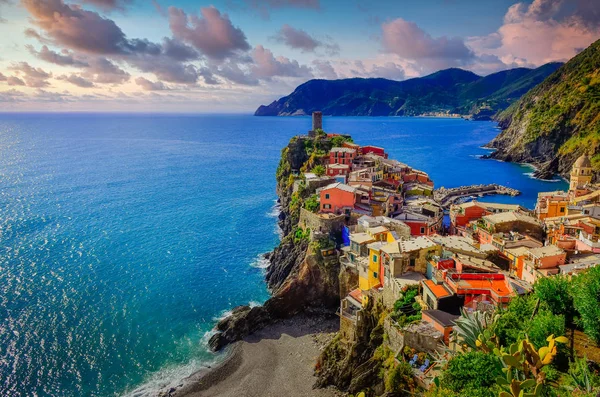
(123, 237)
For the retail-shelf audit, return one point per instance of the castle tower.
(317, 121)
(581, 174)
(317, 124)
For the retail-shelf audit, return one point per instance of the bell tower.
(581, 174)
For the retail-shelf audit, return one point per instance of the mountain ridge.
(446, 91)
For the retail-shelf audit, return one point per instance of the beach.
(276, 361)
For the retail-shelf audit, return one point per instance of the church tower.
(581, 174)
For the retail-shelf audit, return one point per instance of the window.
(326, 206)
(562, 209)
(326, 196)
(374, 258)
(422, 230)
(375, 274)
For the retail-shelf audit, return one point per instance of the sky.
(233, 55)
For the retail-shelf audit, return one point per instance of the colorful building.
(337, 198)
(342, 155)
(581, 176)
(551, 204)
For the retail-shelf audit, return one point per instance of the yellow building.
(551, 204)
(581, 175)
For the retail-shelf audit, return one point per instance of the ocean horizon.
(126, 236)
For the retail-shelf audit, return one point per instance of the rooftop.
(458, 243)
(377, 230)
(442, 318)
(416, 244)
(343, 149)
(438, 289)
(504, 217)
(361, 238)
(340, 186)
(548, 250)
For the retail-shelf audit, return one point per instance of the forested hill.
(558, 120)
(449, 91)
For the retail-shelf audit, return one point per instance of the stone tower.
(317, 123)
(581, 174)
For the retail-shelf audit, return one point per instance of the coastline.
(277, 360)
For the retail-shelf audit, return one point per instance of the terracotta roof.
(438, 289)
(341, 186)
(440, 317)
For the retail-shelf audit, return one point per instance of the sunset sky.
(233, 55)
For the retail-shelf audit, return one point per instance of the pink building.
(342, 155)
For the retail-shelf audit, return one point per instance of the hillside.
(447, 91)
(558, 120)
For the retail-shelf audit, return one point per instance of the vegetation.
(561, 114)
(407, 309)
(446, 91)
(312, 203)
(467, 373)
(586, 300)
(339, 140)
(319, 170)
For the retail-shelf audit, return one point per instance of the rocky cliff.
(297, 276)
(557, 121)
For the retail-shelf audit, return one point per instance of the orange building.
(337, 198)
(441, 321)
(551, 204)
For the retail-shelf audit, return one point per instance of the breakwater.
(447, 197)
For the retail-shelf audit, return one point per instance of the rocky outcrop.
(299, 279)
(352, 366)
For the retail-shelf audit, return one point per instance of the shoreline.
(277, 360)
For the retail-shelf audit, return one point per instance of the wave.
(532, 176)
(275, 210)
(174, 376)
(260, 262)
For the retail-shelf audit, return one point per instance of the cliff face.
(557, 121)
(450, 90)
(299, 279)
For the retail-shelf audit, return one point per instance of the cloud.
(267, 66)
(34, 77)
(179, 51)
(79, 81)
(541, 32)
(299, 39)
(231, 71)
(409, 41)
(2, 77)
(212, 34)
(150, 85)
(103, 71)
(324, 69)
(66, 58)
(15, 81)
(76, 28)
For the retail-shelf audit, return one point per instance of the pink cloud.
(212, 34)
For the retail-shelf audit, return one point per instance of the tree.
(339, 140)
(319, 170)
(586, 299)
(312, 203)
(555, 292)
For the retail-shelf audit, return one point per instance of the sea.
(125, 237)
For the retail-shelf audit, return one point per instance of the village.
(391, 242)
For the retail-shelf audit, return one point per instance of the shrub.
(319, 170)
(472, 370)
(586, 298)
(312, 203)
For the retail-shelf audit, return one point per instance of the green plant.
(470, 329)
(471, 370)
(312, 203)
(581, 376)
(586, 298)
(319, 170)
(523, 366)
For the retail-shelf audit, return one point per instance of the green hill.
(558, 120)
(447, 91)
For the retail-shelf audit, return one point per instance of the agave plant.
(581, 375)
(471, 330)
